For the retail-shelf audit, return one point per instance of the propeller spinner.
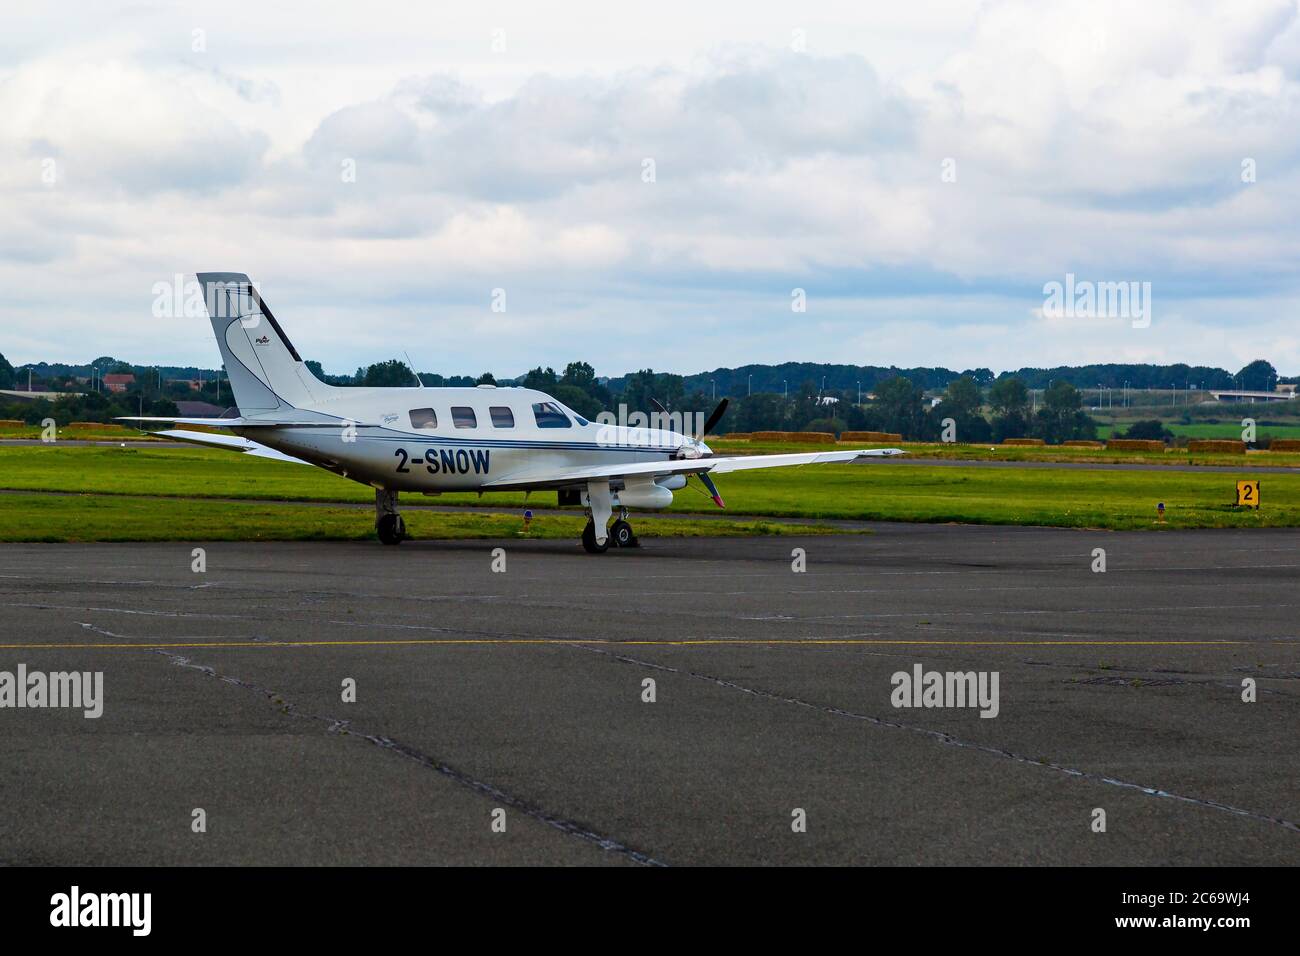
(693, 449)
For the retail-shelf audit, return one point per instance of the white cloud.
(1104, 139)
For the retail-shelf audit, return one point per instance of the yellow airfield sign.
(1248, 493)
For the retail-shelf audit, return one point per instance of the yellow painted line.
(662, 643)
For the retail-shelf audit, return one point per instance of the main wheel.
(391, 529)
(620, 532)
(589, 540)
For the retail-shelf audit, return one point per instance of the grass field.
(140, 494)
(1045, 453)
(54, 518)
(1229, 429)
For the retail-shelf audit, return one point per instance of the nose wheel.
(391, 529)
(621, 533)
(388, 523)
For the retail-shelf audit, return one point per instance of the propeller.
(714, 418)
(709, 424)
(707, 482)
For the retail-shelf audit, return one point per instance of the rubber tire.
(622, 535)
(589, 540)
(391, 529)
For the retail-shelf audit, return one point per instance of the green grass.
(1230, 430)
(1047, 453)
(877, 490)
(123, 518)
(94, 432)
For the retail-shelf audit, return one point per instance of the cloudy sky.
(920, 170)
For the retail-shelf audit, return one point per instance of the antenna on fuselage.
(419, 382)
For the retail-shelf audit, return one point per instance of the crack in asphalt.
(341, 726)
(947, 738)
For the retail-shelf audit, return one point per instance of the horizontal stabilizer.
(229, 443)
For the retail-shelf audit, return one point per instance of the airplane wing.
(715, 466)
(229, 443)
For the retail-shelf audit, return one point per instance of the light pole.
(749, 385)
(859, 393)
(785, 390)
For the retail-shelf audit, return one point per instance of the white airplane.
(434, 440)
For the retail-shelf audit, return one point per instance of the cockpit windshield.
(549, 415)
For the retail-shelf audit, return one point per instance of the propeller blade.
(707, 482)
(714, 418)
(658, 406)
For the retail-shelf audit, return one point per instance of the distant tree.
(760, 412)
(899, 402)
(1062, 417)
(1151, 429)
(1258, 376)
(391, 374)
(487, 378)
(1009, 403)
(580, 375)
(962, 402)
(6, 373)
(667, 389)
(578, 400)
(832, 425)
(542, 379)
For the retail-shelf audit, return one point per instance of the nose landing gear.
(388, 523)
(622, 534)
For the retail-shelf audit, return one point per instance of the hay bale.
(1023, 441)
(1134, 444)
(1081, 443)
(11, 423)
(870, 437)
(1219, 446)
(736, 436)
(1284, 444)
(812, 438)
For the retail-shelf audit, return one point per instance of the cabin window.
(502, 417)
(462, 416)
(548, 415)
(424, 418)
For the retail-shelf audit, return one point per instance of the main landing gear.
(620, 535)
(388, 523)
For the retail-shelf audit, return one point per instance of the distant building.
(194, 384)
(119, 382)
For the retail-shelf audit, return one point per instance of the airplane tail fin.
(266, 372)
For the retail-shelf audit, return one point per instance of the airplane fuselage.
(432, 440)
